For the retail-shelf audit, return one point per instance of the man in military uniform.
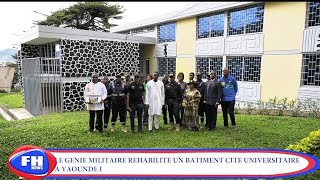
(174, 98)
(118, 98)
(135, 102)
(201, 88)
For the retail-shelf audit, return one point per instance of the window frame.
(165, 24)
(167, 59)
(245, 19)
(243, 68)
(305, 69)
(208, 65)
(307, 20)
(210, 24)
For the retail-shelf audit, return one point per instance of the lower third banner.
(34, 162)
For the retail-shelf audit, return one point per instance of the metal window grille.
(313, 14)
(210, 26)
(206, 64)
(166, 66)
(47, 52)
(245, 68)
(167, 32)
(248, 20)
(310, 71)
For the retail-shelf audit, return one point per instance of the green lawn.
(12, 100)
(70, 130)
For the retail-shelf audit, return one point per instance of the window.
(245, 68)
(167, 32)
(313, 14)
(249, 20)
(210, 26)
(206, 64)
(140, 31)
(310, 73)
(151, 28)
(166, 66)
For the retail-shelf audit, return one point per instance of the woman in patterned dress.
(191, 106)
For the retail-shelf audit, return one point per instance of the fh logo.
(31, 162)
(36, 161)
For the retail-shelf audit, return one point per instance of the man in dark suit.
(212, 99)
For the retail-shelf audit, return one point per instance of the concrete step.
(14, 114)
(20, 113)
(5, 115)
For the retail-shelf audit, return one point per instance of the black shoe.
(139, 131)
(100, 131)
(105, 126)
(90, 131)
(165, 123)
(132, 131)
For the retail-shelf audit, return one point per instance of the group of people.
(191, 104)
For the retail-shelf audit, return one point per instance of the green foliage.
(295, 108)
(309, 144)
(250, 108)
(69, 130)
(11, 100)
(85, 15)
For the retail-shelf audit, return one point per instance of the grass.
(12, 100)
(70, 130)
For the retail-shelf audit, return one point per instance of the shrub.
(250, 108)
(282, 106)
(309, 144)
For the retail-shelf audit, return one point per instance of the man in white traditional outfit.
(95, 93)
(154, 100)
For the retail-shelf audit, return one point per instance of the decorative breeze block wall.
(107, 58)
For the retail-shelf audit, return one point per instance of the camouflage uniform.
(191, 106)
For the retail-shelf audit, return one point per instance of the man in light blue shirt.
(230, 89)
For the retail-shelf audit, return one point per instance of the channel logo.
(31, 162)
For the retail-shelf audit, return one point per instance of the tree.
(85, 15)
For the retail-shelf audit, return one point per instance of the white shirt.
(155, 97)
(96, 92)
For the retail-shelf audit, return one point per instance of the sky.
(16, 17)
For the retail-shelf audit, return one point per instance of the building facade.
(272, 48)
(56, 63)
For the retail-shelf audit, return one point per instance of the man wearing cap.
(118, 97)
(201, 88)
(174, 98)
(135, 102)
(95, 93)
(213, 94)
(154, 100)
